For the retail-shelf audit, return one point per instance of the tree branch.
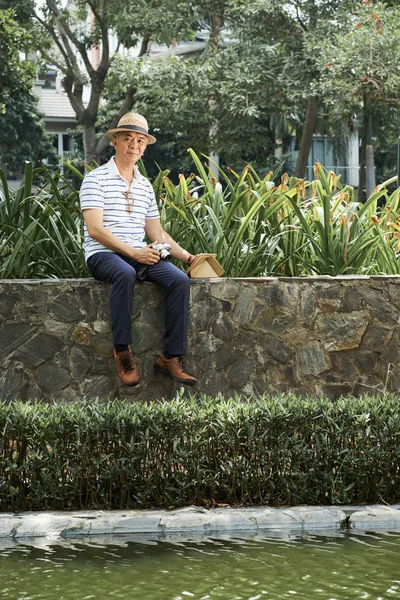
(145, 44)
(124, 108)
(68, 35)
(53, 34)
(395, 101)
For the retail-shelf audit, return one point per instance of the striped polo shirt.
(105, 189)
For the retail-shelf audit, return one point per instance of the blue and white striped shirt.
(105, 189)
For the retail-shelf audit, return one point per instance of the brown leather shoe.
(174, 368)
(126, 367)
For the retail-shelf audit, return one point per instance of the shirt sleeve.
(91, 193)
(152, 211)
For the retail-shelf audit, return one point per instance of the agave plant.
(230, 221)
(41, 234)
(255, 227)
(342, 236)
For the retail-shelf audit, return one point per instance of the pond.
(338, 566)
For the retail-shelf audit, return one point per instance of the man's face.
(130, 145)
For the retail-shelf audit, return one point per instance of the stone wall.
(316, 336)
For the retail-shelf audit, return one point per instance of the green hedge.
(276, 451)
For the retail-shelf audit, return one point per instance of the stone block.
(30, 391)
(98, 386)
(324, 518)
(44, 524)
(102, 326)
(146, 336)
(102, 365)
(375, 301)
(7, 304)
(244, 303)
(224, 289)
(191, 523)
(7, 525)
(102, 346)
(351, 300)
(308, 304)
(375, 518)
(240, 371)
(205, 344)
(11, 383)
(223, 328)
(80, 360)
(278, 350)
(311, 359)
(279, 295)
(366, 362)
(65, 307)
(15, 335)
(224, 520)
(335, 391)
(342, 331)
(83, 334)
(274, 322)
(49, 377)
(38, 349)
(285, 518)
(377, 338)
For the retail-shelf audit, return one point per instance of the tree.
(67, 35)
(359, 65)
(287, 28)
(175, 94)
(23, 132)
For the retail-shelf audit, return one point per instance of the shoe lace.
(127, 363)
(181, 364)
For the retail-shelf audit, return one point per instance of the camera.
(164, 250)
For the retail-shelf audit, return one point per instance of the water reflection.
(245, 567)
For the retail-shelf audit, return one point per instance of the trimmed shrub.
(277, 451)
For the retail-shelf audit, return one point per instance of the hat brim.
(112, 132)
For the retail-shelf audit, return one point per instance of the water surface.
(244, 567)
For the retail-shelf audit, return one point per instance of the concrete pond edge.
(193, 520)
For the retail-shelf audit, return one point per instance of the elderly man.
(119, 208)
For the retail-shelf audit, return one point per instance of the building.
(59, 116)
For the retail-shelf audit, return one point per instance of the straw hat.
(132, 122)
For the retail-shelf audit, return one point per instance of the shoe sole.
(165, 372)
(129, 384)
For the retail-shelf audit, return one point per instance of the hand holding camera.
(164, 249)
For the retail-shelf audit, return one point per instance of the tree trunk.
(90, 143)
(363, 154)
(306, 138)
(216, 24)
(370, 181)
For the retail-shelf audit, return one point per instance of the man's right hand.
(147, 255)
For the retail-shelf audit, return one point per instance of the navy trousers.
(121, 272)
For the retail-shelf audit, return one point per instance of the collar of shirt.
(113, 170)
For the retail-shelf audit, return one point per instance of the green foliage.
(296, 228)
(24, 137)
(15, 74)
(255, 226)
(229, 221)
(173, 19)
(42, 231)
(277, 451)
(359, 56)
(23, 134)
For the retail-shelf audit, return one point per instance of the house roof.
(55, 105)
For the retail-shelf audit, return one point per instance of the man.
(119, 208)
